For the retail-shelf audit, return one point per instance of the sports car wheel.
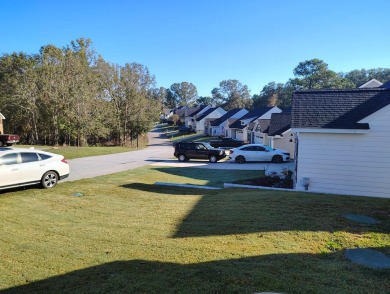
(240, 159)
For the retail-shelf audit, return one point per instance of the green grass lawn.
(125, 235)
(71, 152)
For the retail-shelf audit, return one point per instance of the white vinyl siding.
(284, 143)
(217, 113)
(353, 164)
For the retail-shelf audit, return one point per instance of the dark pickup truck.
(8, 140)
(227, 142)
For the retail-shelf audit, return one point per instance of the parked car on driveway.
(23, 167)
(185, 129)
(258, 152)
(185, 151)
(227, 142)
(8, 140)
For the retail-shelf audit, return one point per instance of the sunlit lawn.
(125, 235)
(71, 152)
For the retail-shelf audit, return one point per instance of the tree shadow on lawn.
(237, 211)
(288, 273)
(208, 176)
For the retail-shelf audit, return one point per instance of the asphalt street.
(159, 152)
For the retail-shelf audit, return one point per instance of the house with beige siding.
(343, 139)
(280, 134)
(1, 124)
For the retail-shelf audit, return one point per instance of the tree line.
(72, 96)
(309, 74)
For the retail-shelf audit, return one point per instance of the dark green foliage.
(315, 74)
(70, 96)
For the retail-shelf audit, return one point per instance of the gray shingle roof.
(336, 109)
(280, 122)
(225, 117)
(252, 115)
(386, 85)
(195, 110)
(206, 113)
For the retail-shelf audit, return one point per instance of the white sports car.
(258, 152)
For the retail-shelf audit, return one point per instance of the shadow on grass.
(287, 273)
(209, 176)
(236, 211)
(179, 191)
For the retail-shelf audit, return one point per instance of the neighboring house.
(180, 111)
(244, 128)
(1, 124)
(186, 113)
(280, 134)
(192, 113)
(220, 126)
(371, 84)
(202, 121)
(258, 131)
(343, 139)
(166, 113)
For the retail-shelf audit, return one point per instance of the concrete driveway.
(160, 153)
(158, 150)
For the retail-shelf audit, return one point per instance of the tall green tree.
(232, 94)
(131, 90)
(205, 100)
(170, 100)
(18, 94)
(184, 93)
(314, 74)
(362, 76)
(274, 94)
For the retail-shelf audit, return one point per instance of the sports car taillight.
(231, 151)
(64, 160)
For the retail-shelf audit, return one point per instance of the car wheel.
(1, 144)
(49, 179)
(182, 157)
(277, 159)
(240, 159)
(213, 159)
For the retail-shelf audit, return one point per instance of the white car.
(24, 167)
(258, 152)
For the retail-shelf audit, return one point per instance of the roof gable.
(373, 83)
(206, 113)
(195, 110)
(337, 109)
(249, 117)
(225, 117)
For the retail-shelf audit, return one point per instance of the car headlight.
(288, 154)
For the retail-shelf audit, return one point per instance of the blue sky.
(207, 41)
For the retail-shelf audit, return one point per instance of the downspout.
(296, 159)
